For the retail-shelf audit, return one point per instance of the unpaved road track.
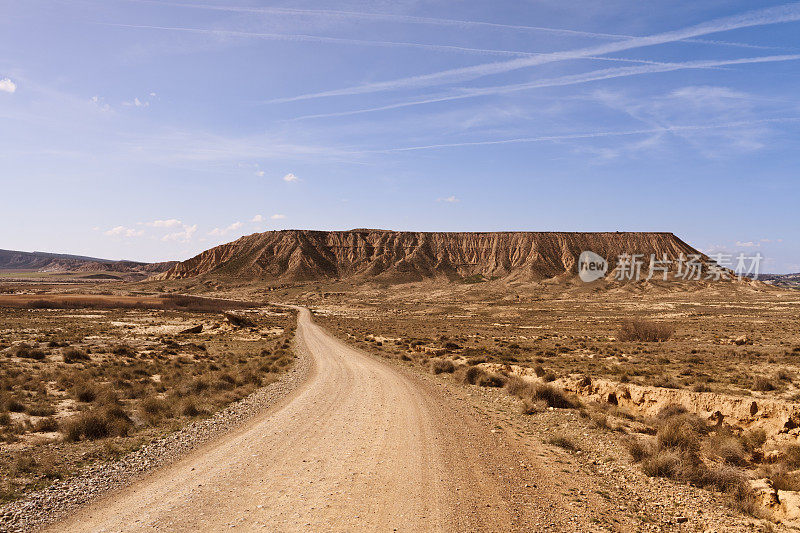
(360, 446)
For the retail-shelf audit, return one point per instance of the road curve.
(360, 446)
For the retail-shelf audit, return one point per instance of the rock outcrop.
(399, 256)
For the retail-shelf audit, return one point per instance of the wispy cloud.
(575, 79)
(289, 178)
(591, 135)
(299, 37)
(219, 232)
(167, 223)
(258, 218)
(136, 103)
(432, 21)
(449, 200)
(7, 86)
(184, 235)
(774, 15)
(277, 217)
(122, 231)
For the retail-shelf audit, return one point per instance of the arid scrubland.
(89, 379)
(699, 387)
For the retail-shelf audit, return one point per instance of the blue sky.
(153, 130)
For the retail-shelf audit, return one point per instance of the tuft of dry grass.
(540, 393)
(74, 355)
(442, 366)
(554, 397)
(676, 454)
(644, 331)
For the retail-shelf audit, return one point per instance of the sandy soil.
(362, 445)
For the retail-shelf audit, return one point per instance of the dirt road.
(360, 446)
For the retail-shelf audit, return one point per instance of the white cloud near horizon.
(168, 223)
(184, 235)
(219, 232)
(122, 231)
(277, 217)
(258, 218)
(7, 86)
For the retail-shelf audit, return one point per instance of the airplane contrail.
(590, 135)
(775, 15)
(574, 79)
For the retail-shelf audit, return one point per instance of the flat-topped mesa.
(404, 256)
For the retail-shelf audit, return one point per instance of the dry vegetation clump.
(105, 386)
(442, 366)
(541, 393)
(74, 355)
(28, 351)
(644, 331)
(687, 449)
(475, 375)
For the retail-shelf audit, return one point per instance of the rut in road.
(359, 446)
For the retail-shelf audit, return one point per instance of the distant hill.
(49, 262)
(399, 256)
(781, 280)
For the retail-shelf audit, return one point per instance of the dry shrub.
(441, 366)
(90, 426)
(516, 386)
(13, 405)
(644, 331)
(123, 350)
(729, 448)
(74, 355)
(754, 439)
(153, 410)
(490, 379)
(638, 448)
(792, 456)
(530, 407)
(469, 375)
(763, 384)
(554, 397)
(675, 454)
(107, 421)
(786, 481)
(542, 393)
(46, 425)
(84, 392)
(190, 408)
(26, 351)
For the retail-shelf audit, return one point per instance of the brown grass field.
(86, 378)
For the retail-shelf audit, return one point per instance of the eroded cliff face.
(302, 255)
